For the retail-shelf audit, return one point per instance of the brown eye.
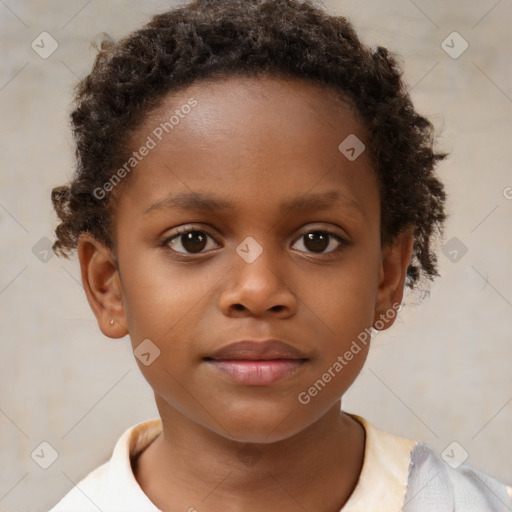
(192, 241)
(318, 241)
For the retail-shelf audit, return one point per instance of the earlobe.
(395, 260)
(102, 286)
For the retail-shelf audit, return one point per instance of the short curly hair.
(209, 39)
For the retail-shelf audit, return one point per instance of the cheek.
(344, 312)
(344, 301)
(157, 298)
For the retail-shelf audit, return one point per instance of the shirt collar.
(381, 486)
(126, 493)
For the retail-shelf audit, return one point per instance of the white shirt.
(398, 475)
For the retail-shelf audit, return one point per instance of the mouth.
(257, 363)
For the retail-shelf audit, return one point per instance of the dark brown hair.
(208, 39)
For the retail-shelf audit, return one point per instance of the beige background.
(441, 374)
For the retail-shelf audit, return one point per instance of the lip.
(257, 363)
(258, 350)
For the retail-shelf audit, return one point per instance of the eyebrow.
(202, 202)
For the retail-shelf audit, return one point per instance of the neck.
(316, 468)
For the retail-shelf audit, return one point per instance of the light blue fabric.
(434, 486)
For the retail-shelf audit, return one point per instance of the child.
(257, 129)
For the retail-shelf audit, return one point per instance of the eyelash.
(186, 255)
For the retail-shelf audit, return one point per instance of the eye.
(191, 240)
(318, 241)
(195, 241)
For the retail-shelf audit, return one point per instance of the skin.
(254, 142)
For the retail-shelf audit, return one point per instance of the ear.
(393, 271)
(102, 286)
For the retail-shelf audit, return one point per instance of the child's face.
(255, 144)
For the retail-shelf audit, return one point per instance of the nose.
(259, 288)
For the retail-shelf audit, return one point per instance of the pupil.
(192, 241)
(317, 241)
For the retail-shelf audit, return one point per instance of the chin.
(257, 424)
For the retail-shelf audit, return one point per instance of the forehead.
(249, 136)
(231, 96)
